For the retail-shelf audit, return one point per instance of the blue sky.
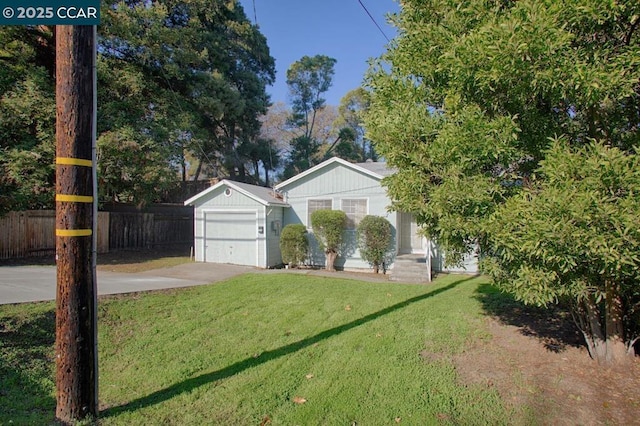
(340, 29)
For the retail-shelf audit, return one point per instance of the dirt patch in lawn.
(536, 359)
(131, 261)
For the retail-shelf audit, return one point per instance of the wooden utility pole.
(76, 346)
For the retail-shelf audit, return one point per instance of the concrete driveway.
(20, 284)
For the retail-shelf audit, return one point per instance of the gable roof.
(375, 170)
(379, 168)
(264, 196)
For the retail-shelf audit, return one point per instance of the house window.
(356, 210)
(313, 205)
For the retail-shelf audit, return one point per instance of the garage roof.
(261, 194)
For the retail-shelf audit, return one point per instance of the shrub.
(294, 245)
(328, 226)
(374, 240)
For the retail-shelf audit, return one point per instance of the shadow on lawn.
(25, 356)
(553, 326)
(195, 382)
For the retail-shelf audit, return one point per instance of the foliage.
(375, 236)
(344, 146)
(328, 227)
(131, 167)
(161, 361)
(294, 245)
(467, 99)
(180, 85)
(308, 79)
(193, 83)
(27, 118)
(352, 108)
(592, 243)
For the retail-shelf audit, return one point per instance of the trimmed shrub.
(294, 245)
(374, 240)
(328, 226)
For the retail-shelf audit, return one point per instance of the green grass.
(240, 352)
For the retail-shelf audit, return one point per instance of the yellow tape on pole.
(74, 161)
(73, 232)
(74, 198)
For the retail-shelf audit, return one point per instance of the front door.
(410, 240)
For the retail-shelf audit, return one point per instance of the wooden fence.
(32, 233)
(128, 230)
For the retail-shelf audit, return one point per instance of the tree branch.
(326, 155)
(634, 25)
(630, 349)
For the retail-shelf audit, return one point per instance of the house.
(240, 223)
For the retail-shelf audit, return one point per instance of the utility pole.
(76, 341)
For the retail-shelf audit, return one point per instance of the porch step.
(410, 268)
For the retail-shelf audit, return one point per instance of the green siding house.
(240, 223)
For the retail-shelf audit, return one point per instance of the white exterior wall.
(272, 232)
(469, 264)
(336, 182)
(217, 201)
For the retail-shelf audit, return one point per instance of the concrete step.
(410, 268)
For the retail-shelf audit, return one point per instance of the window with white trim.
(356, 210)
(313, 205)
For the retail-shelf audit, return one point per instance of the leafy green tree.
(328, 227)
(294, 244)
(573, 235)
(308, 79)
(374, 234)
(352, 108)
(344, 146)
(191, 79)
(179, 85)
(465, 105)
(27, 118)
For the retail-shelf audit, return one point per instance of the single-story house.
(240, 223)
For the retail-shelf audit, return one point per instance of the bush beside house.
(328, 227)
(294, 245)
(374, 234)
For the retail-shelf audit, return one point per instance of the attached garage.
(238, 223)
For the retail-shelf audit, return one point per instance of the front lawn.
(278, 349)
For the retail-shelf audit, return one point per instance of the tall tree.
(27, 117)
(465, 105)
(181, 85)
(351, 114)
(197, 72)
(308, 79)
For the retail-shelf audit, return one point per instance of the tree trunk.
(331, 260)
(593, 331)
(376, 268)
(616, 350)
(196, 175)
(183, 164)
(256, 174)
(605, 341)
(75, 347)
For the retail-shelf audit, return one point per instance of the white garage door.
(230, 237)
